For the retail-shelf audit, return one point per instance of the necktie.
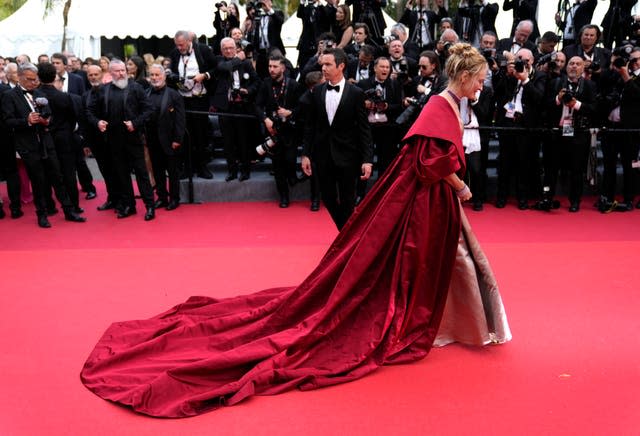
(330, 87)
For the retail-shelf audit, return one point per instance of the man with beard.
(276, 105)
(27, 113)
(165, 134)
(194, 64)
(119, 111)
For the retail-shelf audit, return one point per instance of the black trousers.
(571, 153)
(84, 174)
(43, 173)
(624, 145)
(476, 176)
(9, 170)
(67, 160)
(284, 165)
(165, 165)
(514, 162)
(126, 156)
(103, 158)
(338, 190)
(198, 127)
(236, 135)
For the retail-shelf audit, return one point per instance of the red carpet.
(569, 282)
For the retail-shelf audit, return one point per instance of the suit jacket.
(629, 107)
(167, 123)
(376, 7)
(601, 55)
(392, 95)
(76, 84)
(586, 94)
(273, 32)
(523, 10)
(15, 110)
(532, 98)
(316, 19)
(266, 104)
(63, 118)
(347, 141)
(410, 19)
(581, 17)
(223, 74)
(206, 63)
(352, 68)
(505, 44)
(468, 19)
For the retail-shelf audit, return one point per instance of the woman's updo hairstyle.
(463, 57)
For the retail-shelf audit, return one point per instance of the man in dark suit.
(8, 164)
(119, 111)
(422, 22)
(165, 136)
(362, 67)
(572, 16)
(370, 13)
(596, 59)
(337, 138)
(519, 40)
(72, 83)
(523, 10)
(265, 36)
(411, 48)
(474, 18)
(617, 21)
(276, 107)
(26, 112)
(571, 103)
(316, 20)
(194, 64)
(236, 87)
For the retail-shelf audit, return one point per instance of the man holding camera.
(571, 16)
(236, 87)
(519, 93)
(316, 20)
(596, 59)
(27, 113)
(474, 18)
(192, 67)
(370, 13)
(422, 22)
(265, 34)
(572, 106)
(276, 103)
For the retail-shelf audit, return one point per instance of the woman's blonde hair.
(463, 57)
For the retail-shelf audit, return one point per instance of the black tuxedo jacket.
(223, 74)
(392, 94)
(316, 19)
(439, 85)
(347, 141)
(581, 17)
(523, 10)
(273, 32)
(15, 110)
(601, 55)
(505, 44)
(76, 84)
(410, 19)
(468, 18)
(376, 7)
(532, 97)
(352, 68)
(63, 118)
(206, 63)
(266, 103)
(586, 94)
(629, 106)
(168, 117)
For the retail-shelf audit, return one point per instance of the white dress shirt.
(332, 99)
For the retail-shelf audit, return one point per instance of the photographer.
(316, 19)
(383, 101)
(325, 41)
(474, 18)
(571, 103)
(596, 59)
(615, 25)
(399, 31)
(360, 39)
(403, 68)
(265, 34)
(520, 39)
(519, 93)
(236, 86)
(226, 17)
(370, 13)
(362, 67)
(620, 94)
(571, 16)
(422, 22)
(276, 103)
(447, 39)
(427, 83)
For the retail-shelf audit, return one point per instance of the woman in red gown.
(405, 273)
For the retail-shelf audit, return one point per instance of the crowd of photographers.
(543, 99)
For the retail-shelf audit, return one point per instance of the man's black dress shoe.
(173, 204)
(315, 205)
(74, 217)
(244, 176)
(204, 173)
(231, 175)
(501, 203)
(284, 201)
(91, 195)
(52, 212)
(160, 203)
(575, 207)
(126, 211)
(523, 205)
(78, 209)
(477, 206)
(16, 213)
(151, 214)
(2, 213)
(43, 222)
(106, 206)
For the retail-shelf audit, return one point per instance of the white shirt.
(65, 82)
(188, 67)
(332, 99)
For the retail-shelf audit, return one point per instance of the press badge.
(567, 126)
(511, 110)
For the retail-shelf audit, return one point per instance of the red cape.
(376, 297)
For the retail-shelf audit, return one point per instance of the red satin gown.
(377, 297)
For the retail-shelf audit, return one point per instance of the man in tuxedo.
(362, 67)
(236, 87)
(119, 110)
(316, 20)
(596, 59)
(572, 105)
(520, 39)
(8, 164)
(523, 10)
(411, 48)
(72, 83)
(370, 13)
(265, 35)
(422, 22)
(338, 138)
(276, 107)
(361, 37)
(27, 113)
(616, 22)
(572, 16)
(474, 18)
(194, 64)
(165, 135)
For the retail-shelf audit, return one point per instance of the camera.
(594, 66)
(267, 146)
(375, 95)
(388, 38)
(174, 80)
(519, 65)
(220, 5)
(547, 203)
(568, 96)
(549, 58)
(623, 54)
(410, 113)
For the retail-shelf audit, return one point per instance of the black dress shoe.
(160, 203)
(126, 211)
(43, 222)
(52, 212)
(151, 214)
(315, 205)
(78, 209)
(284, 201)
(91, 195)
(204, 173)
(2, 213)
(16, 213)
(173, 204)
(231, 175)
(244, 176)
(74, 217)
(501, 203)
(523, 205)
(477, 206)
(575, 207)
(106, 205)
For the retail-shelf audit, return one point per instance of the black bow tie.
(29, 93)
(330, 87)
